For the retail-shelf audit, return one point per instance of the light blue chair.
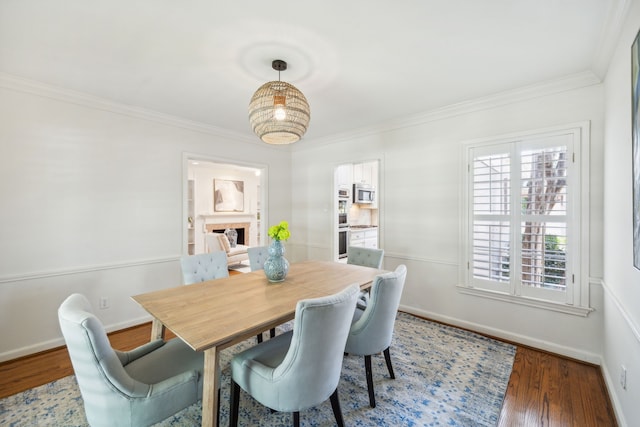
(203, 267)
(301, 368)
(135, 388)
(372, 329)
(257, 256)
(368, 257)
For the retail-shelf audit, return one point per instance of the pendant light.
(278, 112)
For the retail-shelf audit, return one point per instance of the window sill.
(526, 301)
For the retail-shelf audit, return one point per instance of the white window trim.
(579, 303)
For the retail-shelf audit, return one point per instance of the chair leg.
(387, 358)
(272, 333)
(259, 337)
(218, 412)
(337, 412)
(369, 375)
(296, 419)
(234, 403)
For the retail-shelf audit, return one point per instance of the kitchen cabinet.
(344, 176)
(366, 173)
(364, 238)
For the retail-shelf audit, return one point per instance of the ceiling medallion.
(278, 112)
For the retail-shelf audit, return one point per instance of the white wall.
(92, 197)
(420, 212)
(621, 279)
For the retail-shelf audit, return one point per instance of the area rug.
(444, 377)
(241, 267)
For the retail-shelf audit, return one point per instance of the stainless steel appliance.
(344, 192)
(343, 241)
(344, 204)
(343, 212)
(363, 193)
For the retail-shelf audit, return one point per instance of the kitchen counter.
(363, 227)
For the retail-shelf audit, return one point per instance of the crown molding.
(20, 84)
(610, 36)
(550, 87)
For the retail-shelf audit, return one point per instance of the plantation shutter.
(519, 217)
(544, 217)
(491, 222)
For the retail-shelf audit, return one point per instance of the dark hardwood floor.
(544, 389)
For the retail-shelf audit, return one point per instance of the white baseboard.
(611, 386)
(59, 342)
(509, 336)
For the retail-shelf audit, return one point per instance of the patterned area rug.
(444, 377)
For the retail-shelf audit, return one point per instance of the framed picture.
(635, 154)
(228, 196)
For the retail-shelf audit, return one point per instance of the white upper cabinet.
(345, 175)
(366, 173)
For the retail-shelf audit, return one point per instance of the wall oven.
(343, 212)
(344, 204)
(343, 241)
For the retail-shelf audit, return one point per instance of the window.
(522, 224)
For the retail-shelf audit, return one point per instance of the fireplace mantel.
(222, 214)
(221, 221)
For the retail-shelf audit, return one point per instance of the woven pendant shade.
(279, 113)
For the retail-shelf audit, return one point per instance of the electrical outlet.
(104, 303)
(623, 377)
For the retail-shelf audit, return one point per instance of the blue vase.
(276, 266)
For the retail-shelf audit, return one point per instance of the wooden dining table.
(216, 314)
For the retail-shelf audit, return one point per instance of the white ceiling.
(359, 62)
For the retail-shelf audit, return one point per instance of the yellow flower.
(280, 231)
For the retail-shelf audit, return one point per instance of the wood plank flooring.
(544, 389)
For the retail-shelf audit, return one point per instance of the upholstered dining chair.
(301, 368)
(372, 328)
(257, 256)
(134, 388)
(201, 267)
(368, 257)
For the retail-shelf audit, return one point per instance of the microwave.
(363, 193)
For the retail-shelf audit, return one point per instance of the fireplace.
(241, 227)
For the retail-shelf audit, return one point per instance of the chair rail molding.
(87, 269)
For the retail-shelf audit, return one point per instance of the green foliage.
(555, 260)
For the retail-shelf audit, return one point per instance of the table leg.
(211, 382)
(157, 330)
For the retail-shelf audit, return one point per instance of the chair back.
(368, 257)
(257, 256)
(310, 371)
(103, 381)
(202, 267)
(213, 242)
(373, 331)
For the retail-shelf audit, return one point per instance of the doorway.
(357, 219)
(222, 195)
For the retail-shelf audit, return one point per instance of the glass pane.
(544, 255)
(491, 250)
(543, 184)
(491, 187)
